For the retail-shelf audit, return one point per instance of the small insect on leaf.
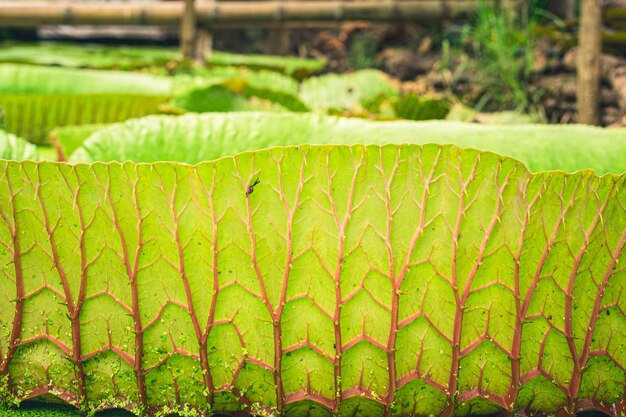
(250, 188)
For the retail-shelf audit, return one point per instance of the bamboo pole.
(232, 13)
(188, 30)
(203, 45)
(278, 39)
(588, 67)
(196, 43)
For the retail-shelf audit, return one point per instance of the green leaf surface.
(315, 281)
(196, 138)
(461, 113)
(264, 85)
(216, 98)
(42, 412)
(37, 409)
(48, 153)
(73, 55)
(134, 57)
(16, 148)
(413, 107)
(28, 79)
(67, 139)
(33, 116)
(358, 92)
(295, 67)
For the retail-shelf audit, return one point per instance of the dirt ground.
(412, 55)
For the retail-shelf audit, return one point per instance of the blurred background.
(479, 61)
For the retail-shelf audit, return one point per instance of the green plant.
(499, 54)
(216, 98)
(74, 55)
(37, 99)
(197, 138)
(128, 58)
(33, 116)
(43, 410)
(29, 79)
(360, 92)
(236, 89)
(66, 139)
(414, 107)
(298, 68)
(13, 147)
(346, 280)
(362, 50)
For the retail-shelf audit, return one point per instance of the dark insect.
(250, 188)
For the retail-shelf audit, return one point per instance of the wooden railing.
(233, 13)
(197, 18)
